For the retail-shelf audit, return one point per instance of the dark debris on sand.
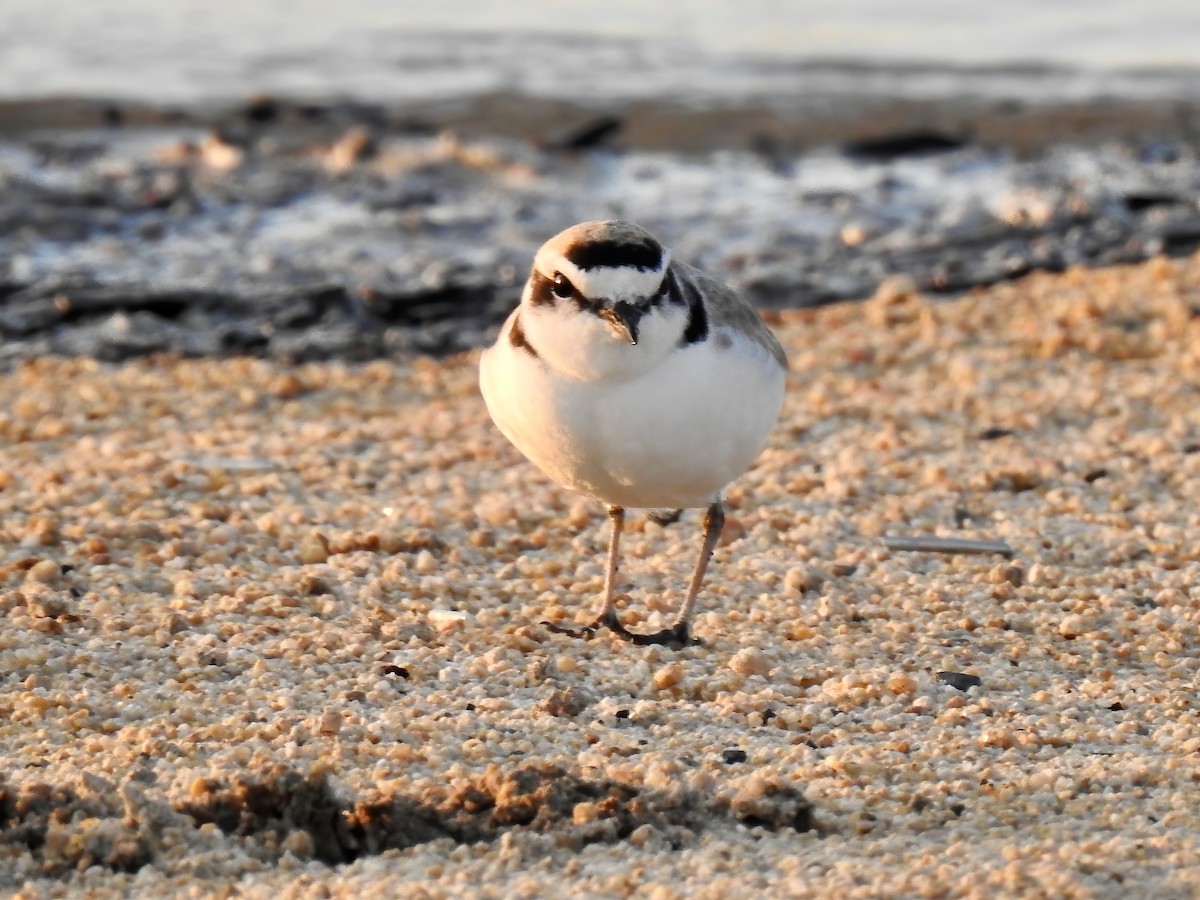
(281, 810)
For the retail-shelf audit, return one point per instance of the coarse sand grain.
(275, 631)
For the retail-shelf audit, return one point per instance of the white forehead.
(603, 282)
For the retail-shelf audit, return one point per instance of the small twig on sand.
(930, 543)
(230, 464)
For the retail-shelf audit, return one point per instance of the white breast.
(671, 437)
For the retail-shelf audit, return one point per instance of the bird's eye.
(563, 289)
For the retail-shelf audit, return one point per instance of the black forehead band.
(635, 254)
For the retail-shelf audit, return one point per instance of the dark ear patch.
(541, 290)
(669, 289)
(634, 253)
(697, 326)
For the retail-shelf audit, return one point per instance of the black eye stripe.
(541, 291)
(545, 292)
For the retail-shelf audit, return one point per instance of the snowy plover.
(637, 381)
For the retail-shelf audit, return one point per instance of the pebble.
(667, 676)
(1072, 626)
(803, 578)
(330, 722)
(426, 563)
(750, 662)
(447, 619)
(44, 571)
(959, 680)
(496, 511)
(902, 683)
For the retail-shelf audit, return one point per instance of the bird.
(638, 381)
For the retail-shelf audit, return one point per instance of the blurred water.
(824, 219)
(191, 50)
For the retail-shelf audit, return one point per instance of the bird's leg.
(714, 521)
(608, 612)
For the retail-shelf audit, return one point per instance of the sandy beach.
(273, 631)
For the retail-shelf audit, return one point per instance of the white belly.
(671, 438)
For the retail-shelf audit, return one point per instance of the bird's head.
(599, 301)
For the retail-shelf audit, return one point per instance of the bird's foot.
(604, 620)
(676, 636)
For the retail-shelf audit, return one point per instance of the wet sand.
(274, 630)
(303, 232)
(833, 110)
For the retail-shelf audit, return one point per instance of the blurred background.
(311, 180)
(189, 50)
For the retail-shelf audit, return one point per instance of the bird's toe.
(678, 636)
